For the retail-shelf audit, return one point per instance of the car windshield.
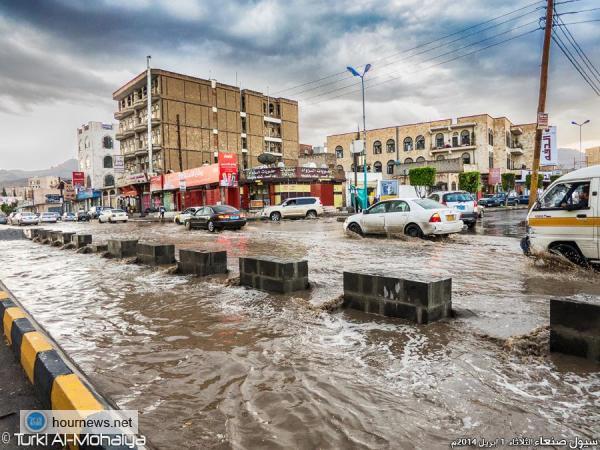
(457, 197)
(117, 210)
(427, 203)
(220, 209)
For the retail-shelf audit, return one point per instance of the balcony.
(272, 139)
(124, 112)
(517, 149)
(516, 130)
(449, 149)
(272, 119)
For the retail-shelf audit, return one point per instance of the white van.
(566, 218)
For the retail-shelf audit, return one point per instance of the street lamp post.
(362, 82)
(580, 125)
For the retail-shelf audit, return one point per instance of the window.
(352, 168)
(490, 137)
(440, 157)
(491, 159)
(408, 144)
(339, 152)
(108, 162)
(339, 168)
(420, 159)
(439, 140)
(427, 203)
(378, 167)
(569, 196)
(435, 197)
(390, 167)
(398, 206)
(455, 139)
(107, 142)
(377, 147)
(109, 180)
(454, 188)
(290, 203)
(465, 137)
(457, 197)
(408, 161)
(508, 140)
(466, 158)
(420, 143)
(88, 180)
(379, 208)
(390, 145)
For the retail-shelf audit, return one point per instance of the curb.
(57, 381)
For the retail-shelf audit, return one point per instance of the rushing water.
(216, 366)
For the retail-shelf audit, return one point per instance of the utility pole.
(541, 101)
(179, 144)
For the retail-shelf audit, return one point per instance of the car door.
(567, 212)
(202, 217)
(373, 219)
(397, 216)
(290, 208)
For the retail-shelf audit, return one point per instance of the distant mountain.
(570, 158)
(19, 177)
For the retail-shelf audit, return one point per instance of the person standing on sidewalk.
(161, 212)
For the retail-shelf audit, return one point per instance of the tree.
(422, 178)
(7, 209)
(508, 182)
(469, 181)
(528, 180)
(4, 194)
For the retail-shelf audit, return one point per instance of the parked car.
(151, 209)
(524, 199)
(11, 218)
(95, 211)
(82, 216)
(26, 218)
(3, 219)
(488, 200)
(216, 217)
(48, 217)
(181, 217)
(462, 201)
(416, 217)
(69, 217)
(309, 207)
(112, 216)
(564, 220)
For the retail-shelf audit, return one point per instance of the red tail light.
(223, 216)
(435, 218)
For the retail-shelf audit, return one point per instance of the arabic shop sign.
(269, 173)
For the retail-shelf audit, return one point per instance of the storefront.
(272, 185)
(86, 198)
(134, 192)
(206, 185)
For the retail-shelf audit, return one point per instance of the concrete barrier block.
(273, 274)
(11, 234)
(43, 234)
(575, 328)
(415, 300)
(202, 263)
(81, 240)
(55, 236)
(155, 254)
(65, 237)
(98, 248)
(122, 248)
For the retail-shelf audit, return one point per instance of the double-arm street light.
(580, 125)
(362, 82)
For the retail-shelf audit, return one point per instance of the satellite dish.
(267, 158)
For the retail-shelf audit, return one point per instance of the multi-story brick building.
(592, 156)
(193, 120)
(476, 142)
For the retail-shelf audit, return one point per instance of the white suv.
(309, 207)
(461, 201)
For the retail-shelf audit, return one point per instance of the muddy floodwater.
(210, 365)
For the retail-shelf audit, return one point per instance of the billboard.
(549, 153)
(228, 170)
(119, 163)
(78, 179)
(494, 176)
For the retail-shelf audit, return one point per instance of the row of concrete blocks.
(575, 325)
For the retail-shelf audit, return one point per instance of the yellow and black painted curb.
(57, 381)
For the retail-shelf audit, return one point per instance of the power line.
(576, 12)
(577, 23)
(353, 84)
(438, 64)
(562, 46)
(586, 60)
(413, 48)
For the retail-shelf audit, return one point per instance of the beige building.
(452, 146)
(194, 119)
(592, 156)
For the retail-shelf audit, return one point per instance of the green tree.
(528, 180)
(4, 194)
(7, 209)
(508, 182)
(422, 178)
(469, 181)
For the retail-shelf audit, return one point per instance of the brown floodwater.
(210, 365)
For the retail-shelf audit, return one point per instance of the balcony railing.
(450, 148)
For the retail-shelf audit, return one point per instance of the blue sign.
(88, 193)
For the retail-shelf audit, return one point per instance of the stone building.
(477, 142)
(193, 120)
(592, 156)
(96, 154)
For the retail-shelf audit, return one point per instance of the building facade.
(479, 142)
(592, 156)
(193, 120)
(97, 152)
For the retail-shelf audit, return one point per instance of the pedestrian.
(161, 212)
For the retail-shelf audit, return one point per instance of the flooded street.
(216, 366)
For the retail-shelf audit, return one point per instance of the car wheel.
(471, 225)
(275, 216)
(311, 214)
(177, 222)
(355, 228)
(188, 225)
(571, 253)
(413, 230)
(210, 226)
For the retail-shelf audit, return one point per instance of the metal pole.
(149, 118)
(362, 81)
(541, 101)
(580, 148)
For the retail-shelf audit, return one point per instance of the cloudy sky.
(62, 59)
